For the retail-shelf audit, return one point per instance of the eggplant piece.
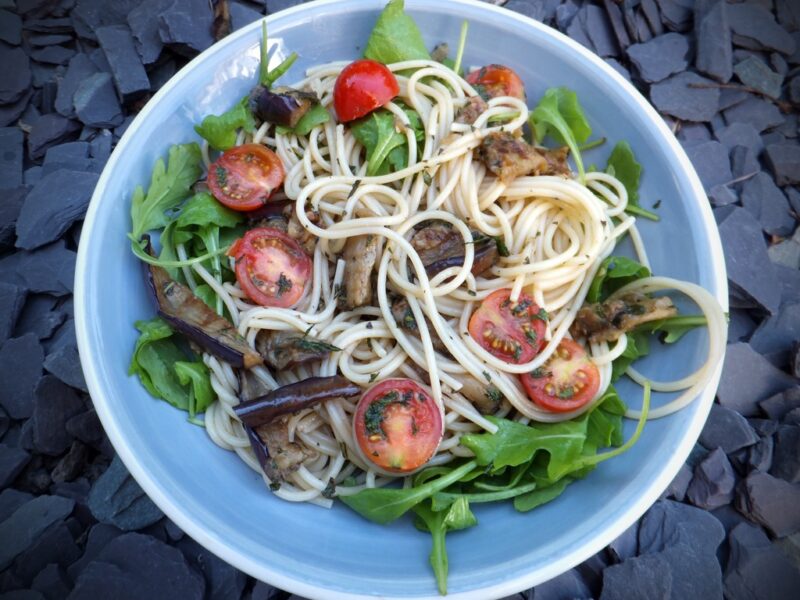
(473, 109)
(440, 246)
(509, 157)
(360, 255)
(285, 349)
(607, 321)
(485, 397)
(293, 397)
(282, 106)
(296, 230)
(179, 307)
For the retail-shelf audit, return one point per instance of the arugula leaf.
(316, 115)
(605, 421)
(637, 347)
(560, 116)
(383, 505)
(220, 130)
(537, 497)
(458, 516)
(671, 329)
(614, 273)
(207, 295)
(197, 376)
(386, 147)
(622, 165)
(395, 37)
(169, 186)
(203, 209)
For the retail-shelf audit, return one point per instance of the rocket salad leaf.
(560, 116)
(395, 37)
(220, 130)
(622, 165)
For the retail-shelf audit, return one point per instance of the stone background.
(726, 79)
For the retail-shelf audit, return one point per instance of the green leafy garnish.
(196, 375)
(266, 76)
(614, 272)
(395, 37)
(622, 165)
(169, 186)
(316, 115)
(387, 148)
(671, 329)
(202, 210)
(220, 130)
(560, 116)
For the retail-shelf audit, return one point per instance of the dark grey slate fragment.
(242, 15)
(694, 132)
(776, 407)
(756, 74)
(564, 13)
(53, 55)
(12, 299)
(186, 26)
(48, 270)
(65, 364)
(617, 23)
(138, 566)
(713, 482)
(794, 89)
(71, 464)
(11, 152)
(100, 535)
(744, 165)
(96, 103)
(223, 582)
(10, 27)
(676, 14)
(740, 326)
(754, 27)
(768, 204)
(54, 404)
(637, 27)
(727, 429)
(129, 74)
(117, 499)
(722, 195)
(757, 569)
(22, 528)
(49, 39)
(90, 15)
(49, 130)
(678, 486)
(10, 207)
(776, 334)
(12, 461)
(567, 585)
(759, 113)
(10, 501)
(747, 378)
(676, 97)
(626, 545)
(750, 272)
(100, 146)
(710, 160)
(20, 370)
(144, 27)
(16, 74)
(40, 317)
(731, 97)
(55, 546)
(52, 582)
(647, 576)
(53, 205)
(789, 281)
(52, 25)
(741, 134)
(660, 57)
(786, 454)
(73, 156)
(615, 64)
(771, 502)
(80, 67)
(86, 427)
(10, 113)
(784, 161)
(161, 74)
(759, 457)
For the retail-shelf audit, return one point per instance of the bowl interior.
(321, 553)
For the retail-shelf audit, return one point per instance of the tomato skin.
(361, 87)
(567, 381)
(397, 425)
(243, 178)
(511, 332)
(493, 81)
(271, 267)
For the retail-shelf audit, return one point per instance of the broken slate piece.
(96, 103)
(52, 206)
(776, 334)
(740, 325)
(776, 407)
(53, 55)
(12, 299)
(755, 28)
(756, 74)
(28, 522)
(54, 404)
(10, 157)
(224, 582)
(55, 546)
(741, 134)
(40, 317)
(784, 161)
(751, 274)
(12, 461)
(118, 500)
(757, 569)
(759, 457)
(65, 364)
(242, 15)
(727, 429)
(710, 160)
(49, 130)
(747, 378)
(80, 67)
(48, 270)
(677, 488)
(760, 114)
(20, 370)
(186, 26)
(73, 156)
(771, 502)
(129, 74)
(45, 39)
(768, 204)
(10, 28)
(722, 195)
(16, 74)
(598, 29)
(713, 482)
(786, 455)
(660, 57)
(90, 15)
(676, 97)
(144, 27)
(647, 576)
(52, 582)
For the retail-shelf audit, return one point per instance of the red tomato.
(244, 177)
(398, 425)
(361, 87)
(567, 381)
(511, 332)
(493, 81)
(271, 268)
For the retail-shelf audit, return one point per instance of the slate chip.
(768, 204)
(10, 28)
(16, 74)
(126, 67)
(722, 195)
(678, 486)
(771, 502)
(100, 535)
(242, 15)
(784, 161)
(49, 130)
(660, 57)
(759, 113)
(786, 454)
(741, 134)
(40, 316)
(647, 576)
(598, 29)
(145, 29)
(677, 97)
(223, 582)
(96, 103)
(28, 522)
(73, 156)
(49, 39)
(65, 364)
(86, 427)
(54, 404)
(757, 569)
(759, 457)
(727, 429)
(53, 55)
(10, 206)
(135, 565)
(12, 299)
(754, 27)
(90, 15)
(711, 161)
(12, 461)
(55, 546)
(52, 206)
(186, 26)
(80, 67)
(20, 370)
(567, 585)
(750, 272)
(756, 74)
(776, 334)
(713, 482)
(11, 151)
(118, 500)
(52, 582)
(10, 501)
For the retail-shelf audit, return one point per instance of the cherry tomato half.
(568, 380)
(361, 87)
(244, 177)
(398, 425)
(271, 268)
(511, 332)
(493, 81)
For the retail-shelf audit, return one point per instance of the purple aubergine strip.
(259, 448)
(485, 256)
(282, 106)
(293, 397)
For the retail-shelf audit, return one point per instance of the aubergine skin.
(293, 397)
(282, 106)
(486, 256)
